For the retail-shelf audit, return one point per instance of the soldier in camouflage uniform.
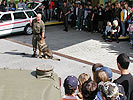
(38, 32)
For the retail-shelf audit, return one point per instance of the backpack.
(122, 92)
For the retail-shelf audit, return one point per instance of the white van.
(16, 21)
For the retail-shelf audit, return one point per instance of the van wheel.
(28, 30)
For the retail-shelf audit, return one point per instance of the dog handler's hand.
(42, 37)
(31, 21)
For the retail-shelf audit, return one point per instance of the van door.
(20, 21)
(6, 24)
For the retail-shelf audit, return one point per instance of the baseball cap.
(71, 81)
(110, 89)
(107, 70)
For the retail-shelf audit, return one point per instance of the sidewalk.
(18, 56)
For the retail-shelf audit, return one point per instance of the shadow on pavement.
(19, 53)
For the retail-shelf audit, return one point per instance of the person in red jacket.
(51, 8)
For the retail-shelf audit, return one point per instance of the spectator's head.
(108, 23)
(86, 6)
(82, 79)
(121, 2)
(107, 8)
(80, 6)
(99, 9)
(108, 71)
(3, 1)
(89, 90)
(116, 3)
(101, 75)
(95, 8)
(98, 4)
(123, 61)
(20, 1)
(112, 6)
(65, 3)
(96, 67)
(70, 85)
(109, 3)
(89, 3)
(11, 1)
(115, 23)
(90, 6)
(126, 5)
(109, 90)
(102, 6)
(106, 4)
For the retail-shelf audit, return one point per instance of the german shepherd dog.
(47, 53)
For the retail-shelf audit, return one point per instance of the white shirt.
(108, 29)
(77, 11)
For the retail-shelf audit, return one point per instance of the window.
(6, 17)
(30, 13)
(31, 5)
(19, 15)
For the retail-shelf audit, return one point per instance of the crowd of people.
(118, 15)
(112, 19)
(102, 86)
(11, 5)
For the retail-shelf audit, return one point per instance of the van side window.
(19, 15)
(6, 17)
(30, 13)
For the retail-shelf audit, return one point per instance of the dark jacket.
(107, 15)
(117, 13)
(80, 12)
(100, 15)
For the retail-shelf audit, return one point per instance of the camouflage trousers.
(35, 40)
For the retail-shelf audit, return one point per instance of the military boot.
(34, 54)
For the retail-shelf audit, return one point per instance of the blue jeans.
(131, 38)
(123, 28)
(80, 20)
(116, 35)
